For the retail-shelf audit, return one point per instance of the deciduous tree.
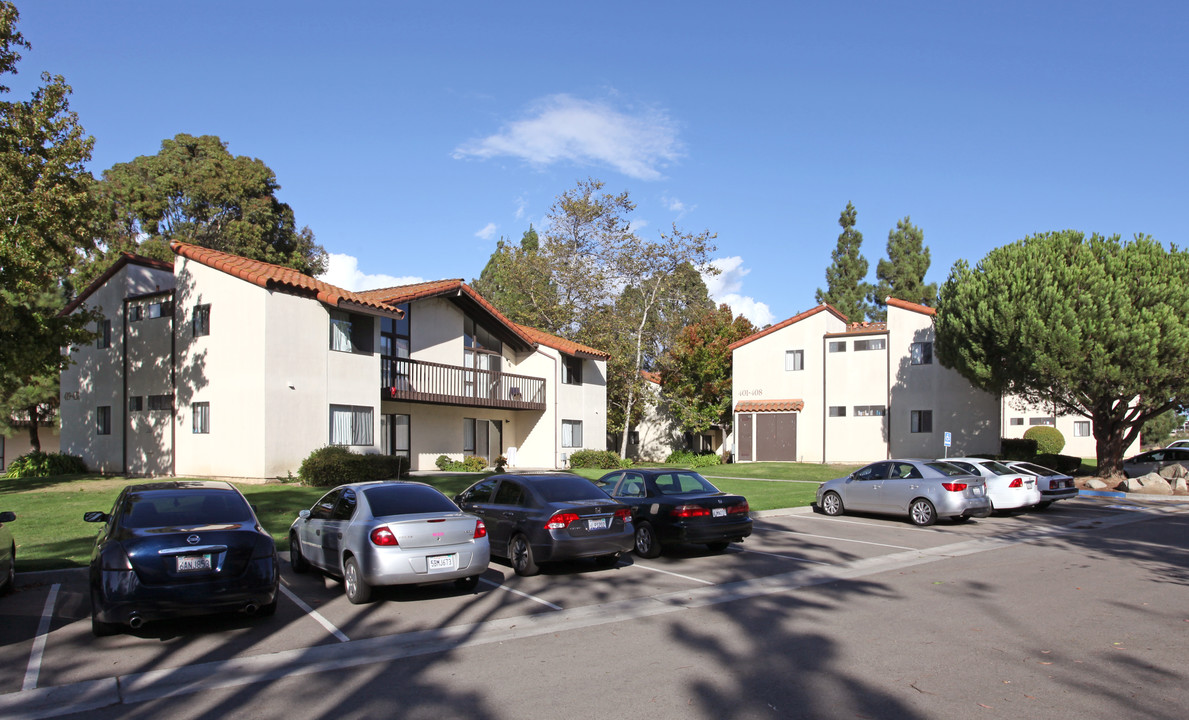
(902, 274)
(846, 287)
(1095, 326)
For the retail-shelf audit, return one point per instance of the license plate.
(191, 563)
(596, 524)
(718, 512)
(442, 562)
(979, 490)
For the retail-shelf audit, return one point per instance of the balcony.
(437, 384)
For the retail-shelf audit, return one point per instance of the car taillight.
(689, 511)
(741, 509)
(953, 486)
(1018, 482)
(480, 529)
(383, 537)
(624, 514)
(560, 521)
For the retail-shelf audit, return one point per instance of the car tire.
(717, 547)
(922, 513)
(1044, 504)
(832, 503)
(10, 578)
(358, 591)
(98, 627)
(607, 561)
(520, 552)
(467, 584)
(647, 545)
(297, 561)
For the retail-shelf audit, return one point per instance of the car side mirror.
(96, 516)
(7, 517)
(304, 514)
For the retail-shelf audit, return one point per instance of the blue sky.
(410, 136)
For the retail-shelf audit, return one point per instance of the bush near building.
(1049, 440)
(598, 459)
(41, 464)
(332, 466)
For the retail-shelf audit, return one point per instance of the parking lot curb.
(778, 512)
(60, 700)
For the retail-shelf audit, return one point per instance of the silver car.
(1053, 485)
(389, 533)
(1155, 461)
(1007, 489)
(922, 489)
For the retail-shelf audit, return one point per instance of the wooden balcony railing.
(427, 382)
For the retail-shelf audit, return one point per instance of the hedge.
(1049, 440)
(333, 465)
(41, 464)
(1018, 448)
(598, 459)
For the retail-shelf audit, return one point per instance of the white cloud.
(725, 287)
(487, 232)
(343, 271)
(562, 128)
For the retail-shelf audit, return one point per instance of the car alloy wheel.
(297, 561)
(358, 591)
(646, 544)
(521, 554)
(922, 512)
(832, 503)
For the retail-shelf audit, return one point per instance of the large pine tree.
(902, 274)
(846, 287)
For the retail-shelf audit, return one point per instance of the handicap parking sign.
(947, 439)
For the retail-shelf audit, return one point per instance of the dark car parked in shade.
(8, 553)
(178, 548)
(678, 506)
(533, 518)
(1154, 461)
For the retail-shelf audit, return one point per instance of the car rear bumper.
(962, 507)
(695, 532)
(120, 596)
(1062, 494)
(400, 566)
(563, 547)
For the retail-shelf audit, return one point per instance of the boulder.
(1180, 486)
(1152, 484)
(1096, 484)
(1172, 472)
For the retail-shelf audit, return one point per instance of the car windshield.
(184, 508)
(386, 500)
(947, 469)
(681, 483)
(563, 488)
(997, 467)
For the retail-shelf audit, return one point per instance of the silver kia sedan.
(924, 490)
(389, 533)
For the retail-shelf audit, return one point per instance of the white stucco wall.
(855, 378)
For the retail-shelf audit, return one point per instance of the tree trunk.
(1109, 435)
(34, 422)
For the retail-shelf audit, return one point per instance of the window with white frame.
(872, 344)
(202, 418)
(794, 360)
(870, 410)
(922, 353)
(921, 421)
(837, 411)
(571, 433)
(1081, 428)
(350, 425)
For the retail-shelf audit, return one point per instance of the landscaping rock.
(1172, 472)
(1180, 486)
(1096, 484)
(1150, 484)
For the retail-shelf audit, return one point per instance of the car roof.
(531, 476)
(174, 485)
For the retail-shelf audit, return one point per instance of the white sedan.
(1008, 489)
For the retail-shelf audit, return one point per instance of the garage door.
(776, 437)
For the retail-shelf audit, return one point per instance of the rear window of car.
(1036, 469)
(185, 508)
(681, 483)
(997, 467)
(563, 488)
(386, 500)
(947, 469)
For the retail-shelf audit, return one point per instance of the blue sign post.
(948, 440)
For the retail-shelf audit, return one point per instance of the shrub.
(501, 464)
(332, 465)
(626, 463)
(41, 464)
(444, 462)
(681, 457)
(706, 460)
(1018, 448)
(472, 463)
(1067, 464)
(599, 459)
(1049, 440)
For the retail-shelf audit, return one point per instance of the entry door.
(745, 437)
(776, 436)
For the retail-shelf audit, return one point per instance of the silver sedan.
(924, 490)
(389, 533)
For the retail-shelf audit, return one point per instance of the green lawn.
(50, 532)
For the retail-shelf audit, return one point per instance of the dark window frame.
(201, 320)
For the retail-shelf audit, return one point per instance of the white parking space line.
(841, 539)
(865, 524)
(514, 591)
(342, 637)
(667, 572)
(43, 629)
(775, 555)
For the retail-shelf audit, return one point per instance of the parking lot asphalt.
(51, 665)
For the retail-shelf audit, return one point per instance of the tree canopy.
(846, 288)
(48, 226)
(902, 274)
(696, 370)
(1093, 325)
(517, 280)
(195, 191)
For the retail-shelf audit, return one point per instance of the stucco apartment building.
(216, 365)
(815, 388)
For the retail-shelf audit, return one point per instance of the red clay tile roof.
(905, 305)
(781, 325)
(770, 406)
(654, 378)
(568, 347)
(437, 288)
(276, 277)
(863, 328)
(126, 258)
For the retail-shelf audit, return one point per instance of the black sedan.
(179, 548)
(534, 518)
(678, 506)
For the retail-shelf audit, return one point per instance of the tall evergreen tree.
(846, 287)
(517, 282)
(902, 274)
